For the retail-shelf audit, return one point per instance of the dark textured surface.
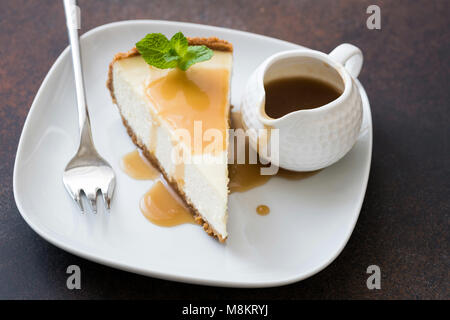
(404, 222)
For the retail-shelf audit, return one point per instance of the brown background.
(404, 222)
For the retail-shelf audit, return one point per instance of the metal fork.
(87, 172)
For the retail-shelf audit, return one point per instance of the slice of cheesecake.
(158, 105)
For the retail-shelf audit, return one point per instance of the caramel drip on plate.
(137, 167)
(262, 210)
(161, 207)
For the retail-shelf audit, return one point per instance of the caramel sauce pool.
(287, 95)
(162, 208)
(244, 177)
(137, 167)
(247, 176)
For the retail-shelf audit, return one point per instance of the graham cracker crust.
(212, 43)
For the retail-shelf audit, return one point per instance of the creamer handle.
(349, 56)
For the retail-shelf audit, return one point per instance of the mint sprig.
(161, 53)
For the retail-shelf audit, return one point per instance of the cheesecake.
(158, 106)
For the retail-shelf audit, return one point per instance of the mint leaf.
(159, 52)
(179, 43)
(193, 55)
(156, 51)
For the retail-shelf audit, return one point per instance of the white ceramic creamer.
(314, 138)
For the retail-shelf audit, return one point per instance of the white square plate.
(310, 222)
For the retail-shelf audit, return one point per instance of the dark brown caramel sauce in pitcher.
(287, 95)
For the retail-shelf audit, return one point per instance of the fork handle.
(72, 12)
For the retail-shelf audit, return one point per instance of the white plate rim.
(157, 274)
